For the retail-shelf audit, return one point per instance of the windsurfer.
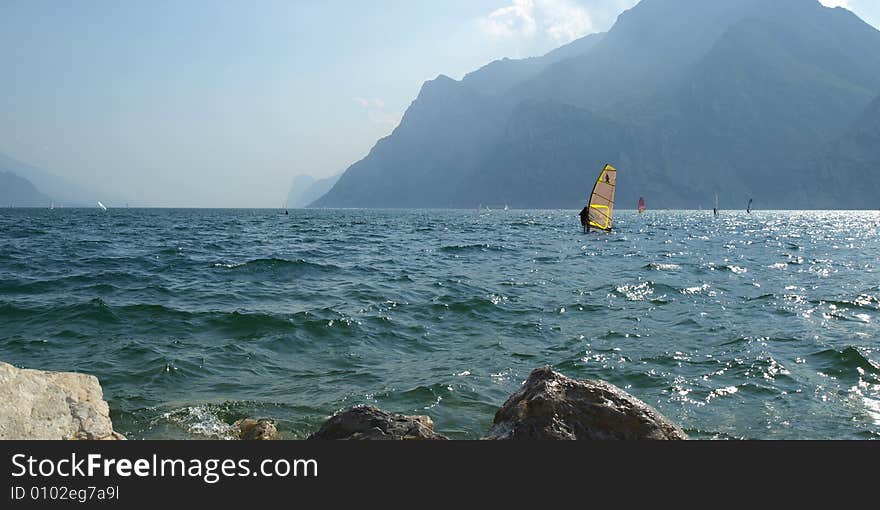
(585, 218)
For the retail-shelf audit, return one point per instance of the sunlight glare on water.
(740, 326)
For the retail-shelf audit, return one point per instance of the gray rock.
(552, 406)
(256, 430)
(52, 405)
(368, 422)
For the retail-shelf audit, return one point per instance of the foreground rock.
(552, 406)
(35, 404)
(374, 423)
(256, 430)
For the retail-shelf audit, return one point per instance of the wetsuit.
(585, 218)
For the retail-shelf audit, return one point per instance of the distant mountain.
(60, 189)
(688, 98)
(300, 184)
(17, 191)
(306, 189)
(849, 166)
(500, 76)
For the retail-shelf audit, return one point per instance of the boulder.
(367, 422)
(52, 405)
(249, 429)
(553, 406)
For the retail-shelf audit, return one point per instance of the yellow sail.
(602, 199)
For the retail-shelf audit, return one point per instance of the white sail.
(102, 206)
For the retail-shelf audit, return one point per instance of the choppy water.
(745, 326)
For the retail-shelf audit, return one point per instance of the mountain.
(849, 166)
(19, 192)
(688, 98)
(63, 191)
(428, 159)
(295, 197)
(306, 189)
(500, 76)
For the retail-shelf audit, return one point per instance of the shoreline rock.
(256, 430)
(367, 422)
(552, 406)
(40, 404)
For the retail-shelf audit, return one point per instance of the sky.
(212, 103)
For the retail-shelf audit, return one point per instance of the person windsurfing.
(585, 218)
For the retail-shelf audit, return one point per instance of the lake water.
(761, 326)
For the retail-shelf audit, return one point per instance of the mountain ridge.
(16, 191)
(740, 110)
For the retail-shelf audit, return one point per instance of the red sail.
(642, 204)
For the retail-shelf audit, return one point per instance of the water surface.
(743, 326)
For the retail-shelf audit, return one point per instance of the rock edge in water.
(552, 406)
(367, 422)
(249, 429)
(549, 406)
(39, 404)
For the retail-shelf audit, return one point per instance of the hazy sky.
(221, 103)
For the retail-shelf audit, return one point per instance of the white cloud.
(377, 113)
(836, 3)
(562, 20)
(566, 21)
(369, 102)
(515, 20)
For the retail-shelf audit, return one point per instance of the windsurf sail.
(102, 206)
(749, 208)
(642, 205)
(602, 199)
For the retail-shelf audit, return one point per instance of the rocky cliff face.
(687, 98)
(52, 405)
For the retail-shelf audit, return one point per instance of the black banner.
(128, 473)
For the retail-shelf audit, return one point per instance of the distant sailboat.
(749, 207)
(601, 206)
(715, 209)
(52, 206)
(642, 206)
(102, 206)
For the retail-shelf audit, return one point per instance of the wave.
(274, 265)
(848, 362)
(98, 312)
(467, 248)
(471, 305)
(662, 267)
(863, 302)
(211, 421)
(635, 291)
